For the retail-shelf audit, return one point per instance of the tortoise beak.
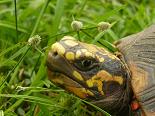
(59, 70)
(57, 63)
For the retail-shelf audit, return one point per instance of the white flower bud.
(35, 40)
(102, 26)
(12, 87)
(1, 113)
(76, 25)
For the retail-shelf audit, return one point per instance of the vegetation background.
(24, 87)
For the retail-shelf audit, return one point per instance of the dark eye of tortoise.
(85, 64)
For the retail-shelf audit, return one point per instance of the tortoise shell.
(139, 54)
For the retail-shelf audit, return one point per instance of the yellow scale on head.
(59, 48)
(78, 54)
(89, 54)
(81, 92)
(101, 59)
(70, 43)
(103, 76)
(70, 56)
(77, 75)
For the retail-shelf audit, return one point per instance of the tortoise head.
(90, 72)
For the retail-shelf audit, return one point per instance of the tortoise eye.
(85, 64)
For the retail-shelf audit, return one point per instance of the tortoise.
(111, 81)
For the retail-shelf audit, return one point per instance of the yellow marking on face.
(101, 59)
(68, 37)
(90, 83)
(90, 93)
(84, 50)
(109, 54)
(98, 57)
(70, 56)
(88, 54)
(71, 43)
(57, 80)
(112, 56)
(78, 54)
(99, 83)
(59, 48)
(54, 47)
(87, 92)
(90, 47)
(81, 92)
(77, 91)
(77, 75)
(103, 76)
(119, 79)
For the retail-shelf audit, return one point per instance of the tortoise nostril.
(55, 53)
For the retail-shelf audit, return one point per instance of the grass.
(25, 88)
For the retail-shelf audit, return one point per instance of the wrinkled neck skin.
(118, 103)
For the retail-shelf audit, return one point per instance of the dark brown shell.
(139, 53)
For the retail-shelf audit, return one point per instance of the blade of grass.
(5, 1)
(16, 21)
(15, 55)
(1, 84)
(57, 18)
(82, 8)
(99, 109)
(98, 37)
(12, 26)
(40, 100)
(10, 48)
(112, 34)
(109, 14)
(17, 103)
(96, 107)
(39, 18)
(107, 44)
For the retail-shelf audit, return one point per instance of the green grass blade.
(1, 84)
(16, 21)
(5, 1)
(40, 100)
(9, 49)
(98, 37)
(99, 109)
(110, 13)
(39, 18)
(57, 18)
(15, 55)
(9, 25)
